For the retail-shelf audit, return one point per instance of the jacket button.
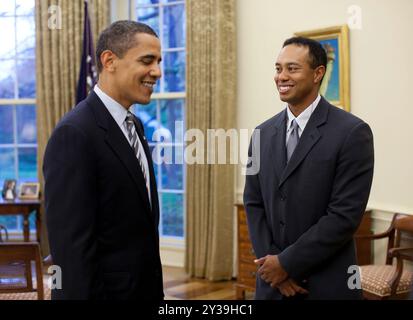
(283, 198)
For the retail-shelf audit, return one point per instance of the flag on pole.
(88, 74)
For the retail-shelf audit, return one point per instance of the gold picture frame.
(29, 191)
(336, 83)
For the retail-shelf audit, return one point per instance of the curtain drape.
(59, 34)
(211, 96)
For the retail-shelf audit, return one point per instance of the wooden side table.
(23, 208)
(246, 267)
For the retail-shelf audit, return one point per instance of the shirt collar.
(304, 116)
(117, 111)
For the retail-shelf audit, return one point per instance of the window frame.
(14, 102)
(166, 240)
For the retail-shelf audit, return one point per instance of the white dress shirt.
(302, 118)
(118, 113)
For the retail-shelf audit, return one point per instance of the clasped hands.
(273, 273)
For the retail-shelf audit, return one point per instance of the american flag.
(88, 74)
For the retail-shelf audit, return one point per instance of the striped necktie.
(133, 140)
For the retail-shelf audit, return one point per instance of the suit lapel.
(277, 147)
(309, 138)
(118, 143)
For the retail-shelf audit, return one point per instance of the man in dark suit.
(100, 192)
(307, 185)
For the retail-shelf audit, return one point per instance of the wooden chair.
(16, 268)
(390, 281)
(3, 233)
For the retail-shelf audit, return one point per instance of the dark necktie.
(292, 140)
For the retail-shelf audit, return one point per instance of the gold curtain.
(59, 35)
(211, 96)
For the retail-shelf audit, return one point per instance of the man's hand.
(289, 288)
(271, 270)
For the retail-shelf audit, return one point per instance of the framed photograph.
(9, 189)
(336, 83)
(29, 190)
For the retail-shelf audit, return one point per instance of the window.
(164, 117)
(18, 141)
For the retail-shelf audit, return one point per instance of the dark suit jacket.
(306, 212)
(103, 232)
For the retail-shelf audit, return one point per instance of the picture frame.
(9, 189)
(336, 83)
(29, 191)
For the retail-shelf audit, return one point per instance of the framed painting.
(336, 83)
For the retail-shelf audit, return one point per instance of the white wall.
(380, 63)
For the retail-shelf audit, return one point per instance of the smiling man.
(306, 202)
(101, 199)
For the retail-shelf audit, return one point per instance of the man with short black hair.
(308, 198)
(101, 199)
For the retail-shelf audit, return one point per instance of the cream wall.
(380, 62)
(380, 56)
(120, 10)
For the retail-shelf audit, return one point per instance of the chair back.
(401, 228)
(16, 268)
(404, 230)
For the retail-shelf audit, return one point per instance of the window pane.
(27, 164)
(146, 2)
(172, 214)
(174, 27)
(6, 124)
(172, 171)
(32, 221)
(25, 37)
(172, 118)
(7, 47)
(7, 168)
(10, 222)
(26, 77)
(6, 8)
(24, 7)
(147, 114)
(150, 16)
(166, 118)
(7, 77)
(174, 71)
(26, 124)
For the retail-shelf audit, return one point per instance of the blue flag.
(88, 75)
